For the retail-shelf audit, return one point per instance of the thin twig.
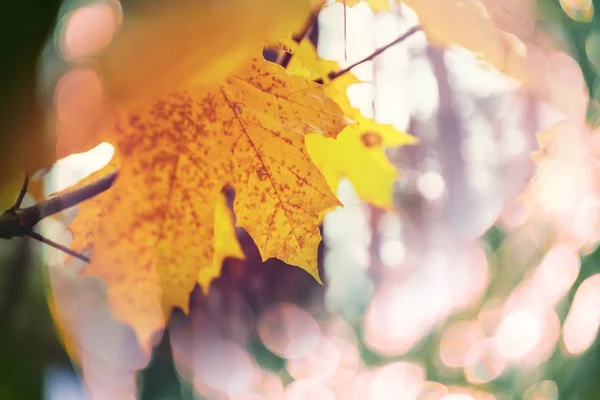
(335, 74)
(22, 193)
(285, 57)
(20, 222)
(38, 237)
(309, 23)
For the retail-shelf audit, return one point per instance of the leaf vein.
(264, 166)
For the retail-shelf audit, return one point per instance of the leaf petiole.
(285, 57)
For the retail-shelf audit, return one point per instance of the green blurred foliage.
(578, 378)
(574, 35)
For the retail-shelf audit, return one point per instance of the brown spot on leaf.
(262, 173)
(371, 139)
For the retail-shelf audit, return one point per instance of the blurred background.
(483, 283)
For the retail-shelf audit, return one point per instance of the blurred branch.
(17, 222)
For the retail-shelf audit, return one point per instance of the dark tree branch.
(335, 74)
(16, 222)
(58, 203)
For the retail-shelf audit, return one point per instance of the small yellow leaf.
(358, 152)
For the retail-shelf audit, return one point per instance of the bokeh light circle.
(578, 10)
(544, 390)
(457, 340)
(89, 29)
(484, 362)
(320, 364)
(223, 366)
(398, 380)
(308, 389)
(288, 331)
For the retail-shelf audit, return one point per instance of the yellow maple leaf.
(358, 155)
(158, 225)
(358, 152)
(225, 240)
(376, 5)
(183, 42)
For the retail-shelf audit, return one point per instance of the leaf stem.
(309, 23)
(336, 74)
(285, 57)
